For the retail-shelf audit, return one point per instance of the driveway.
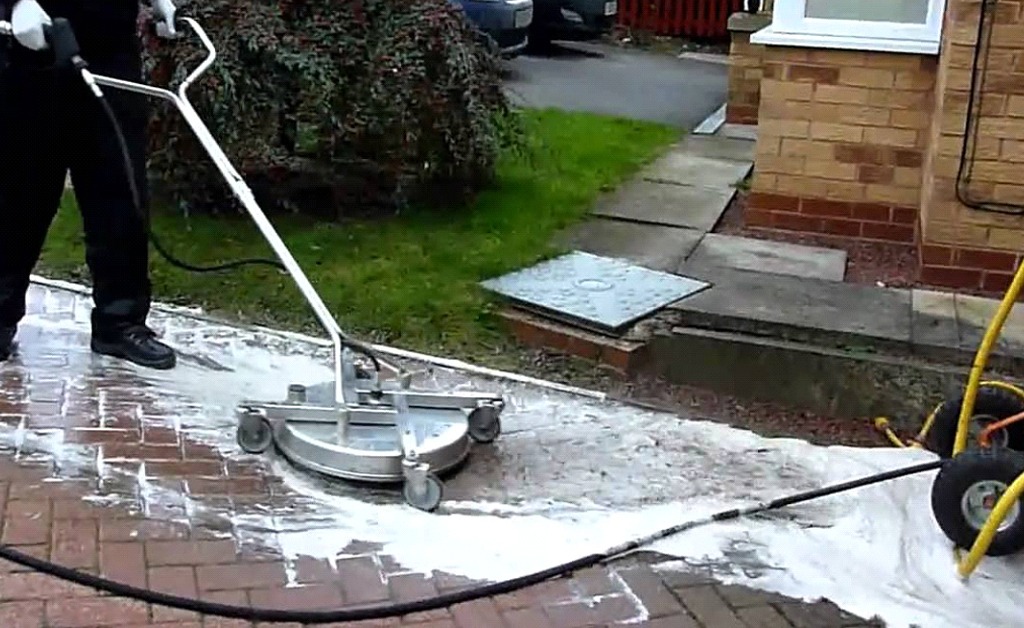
(135, 474)
(605, 79)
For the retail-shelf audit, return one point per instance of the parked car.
(571, 20)
(503, 23)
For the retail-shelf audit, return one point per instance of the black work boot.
(137, 344)
(7, 342)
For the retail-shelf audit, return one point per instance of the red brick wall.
(841, 142)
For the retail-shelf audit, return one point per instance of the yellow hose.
(883, 426)
(1008, 387)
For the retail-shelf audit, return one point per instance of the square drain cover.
(599, 293)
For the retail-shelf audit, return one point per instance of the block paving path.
(95, 516)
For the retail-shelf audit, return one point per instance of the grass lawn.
(411, 280)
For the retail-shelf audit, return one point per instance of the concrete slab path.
(666, 203)
(766, 256)
(666, 215)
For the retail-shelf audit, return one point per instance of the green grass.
(411, 280)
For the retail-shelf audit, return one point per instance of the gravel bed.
(767, 419)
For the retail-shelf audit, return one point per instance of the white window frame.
(789, 27)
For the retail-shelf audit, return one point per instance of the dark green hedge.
(332, 106)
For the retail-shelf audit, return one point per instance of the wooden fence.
(679, 18)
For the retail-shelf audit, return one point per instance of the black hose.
(382, 611)
(963, 175)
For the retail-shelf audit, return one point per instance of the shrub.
(329, 104)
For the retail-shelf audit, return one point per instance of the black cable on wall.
(982, 47)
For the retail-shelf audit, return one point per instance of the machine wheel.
(484, 424)
(431, 497)
(255, 435)
(991, 405)
(966, 490)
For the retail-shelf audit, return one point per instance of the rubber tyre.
(953, 480)
(994, 402)
(431, 500)
(254, 435)
(484, 425)
(540, 41)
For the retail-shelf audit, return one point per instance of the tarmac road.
(600, 78)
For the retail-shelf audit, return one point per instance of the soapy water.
(572, 475)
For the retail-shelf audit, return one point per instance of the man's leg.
(117, 249)
(32, 173)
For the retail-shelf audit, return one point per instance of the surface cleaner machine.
(368, 425)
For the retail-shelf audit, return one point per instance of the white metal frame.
(790, 28)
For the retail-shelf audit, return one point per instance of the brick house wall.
(842, 140)
(868, 145)
(745, 68)
(963, 247)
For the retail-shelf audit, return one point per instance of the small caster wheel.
(485, 424)
(254, 434)
(965, 492)
(429, 499)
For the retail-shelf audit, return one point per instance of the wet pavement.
(135, 475)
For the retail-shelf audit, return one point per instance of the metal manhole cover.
(601, 293)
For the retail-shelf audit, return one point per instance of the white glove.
(27, 22)
(164, 10)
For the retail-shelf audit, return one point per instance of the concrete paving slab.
(651, 246)
(933, 319)
(973, 316)
(666, 204)
(796, 308)
(739, 131)
(686, 168)
(718, 147)
(779, 258)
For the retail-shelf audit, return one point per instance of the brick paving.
(86, 443)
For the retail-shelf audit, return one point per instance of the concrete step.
(839, 349)
(936, 326)
(766, 256)
(851, 383)
(843, 383)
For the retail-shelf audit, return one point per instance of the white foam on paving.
(873, 551)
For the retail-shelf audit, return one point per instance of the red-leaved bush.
(331, 106)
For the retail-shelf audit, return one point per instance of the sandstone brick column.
(964, 247)
(745, 61)
(842, 137)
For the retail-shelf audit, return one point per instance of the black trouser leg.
(32, 172)
(117, 250)
(117, 247)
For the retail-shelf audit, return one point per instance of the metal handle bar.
(238, 186)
